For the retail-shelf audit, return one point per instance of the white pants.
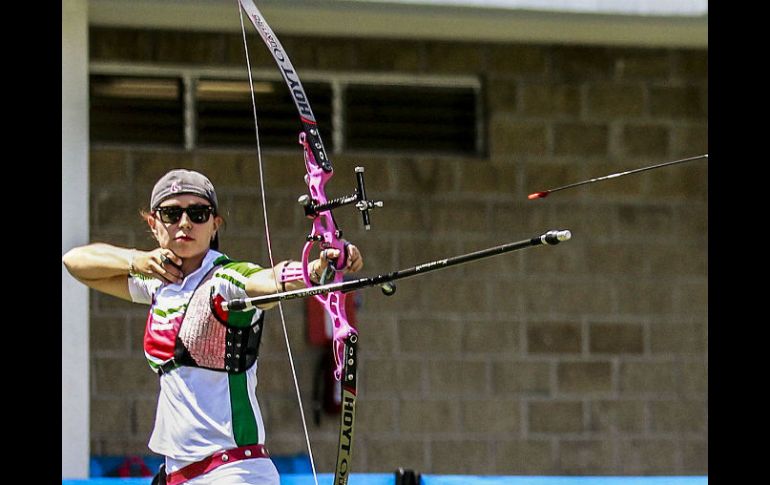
(255, 471)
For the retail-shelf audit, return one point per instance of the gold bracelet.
(131, 269)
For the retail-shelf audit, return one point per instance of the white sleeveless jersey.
(200, 411)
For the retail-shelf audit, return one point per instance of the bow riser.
(326, 234)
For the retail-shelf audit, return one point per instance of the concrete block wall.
(585, 358)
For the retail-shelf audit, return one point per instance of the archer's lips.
(184, 238)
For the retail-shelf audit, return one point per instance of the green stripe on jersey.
(169, 311)
(244, 423)
(246, 269)
(237, 273)
(224, 276)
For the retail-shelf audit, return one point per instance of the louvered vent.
(359, 112)
(410, 118)
(127, 109)
(224, 115)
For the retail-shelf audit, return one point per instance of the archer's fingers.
(166, 266)
(329, 254)
(355, 260)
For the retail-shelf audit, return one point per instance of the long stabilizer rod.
(549, 238)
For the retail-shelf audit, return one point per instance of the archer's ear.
(218, 220)
(152, 222)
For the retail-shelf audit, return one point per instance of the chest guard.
(205, 335)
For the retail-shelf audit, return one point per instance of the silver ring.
(164, 259)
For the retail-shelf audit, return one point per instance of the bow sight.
(313, 208)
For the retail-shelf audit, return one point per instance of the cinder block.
(556, 417)
(517, 60)
(586, 456)
(647, 456)
(489, 337)
(386, 377)
(646, 140)
(695, 377)
(502, 95)
(109, 334)
(550, 99)
(581, 139)
(519, 457)
(108, 167)
(485, 180)
(640, 297)
(611, 100)
(678, 338)
(476, 456)
(692, 298)
(521, 377)
(449, 377)
(617, 417)
(376, 416)
(388, 454)
(237, 168)
(554, 338)
(431, 335)
(149, 166)
(616, 258)
(608, 338)
(678, 416)
(689, 182)
(114, 377)
(509, 138)
(113, 208)
(676, 102)
(495, 416)
(422, 418)
(689, 139)
(145, 410)
(584, 377)
(110, 417)
(649, 377)
(559, 298)
(695, 455)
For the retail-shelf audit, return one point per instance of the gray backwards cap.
(181, 181)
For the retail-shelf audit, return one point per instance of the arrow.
(541, 195)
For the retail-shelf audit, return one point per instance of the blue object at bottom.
(521, 480)
(389, 479)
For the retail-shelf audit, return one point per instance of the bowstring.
(270, 250)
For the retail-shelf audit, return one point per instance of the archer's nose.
(185, 221)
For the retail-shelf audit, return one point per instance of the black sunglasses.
(197, 213)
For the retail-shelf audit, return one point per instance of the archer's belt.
(215, 461)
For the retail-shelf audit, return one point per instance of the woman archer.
(208, 424)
